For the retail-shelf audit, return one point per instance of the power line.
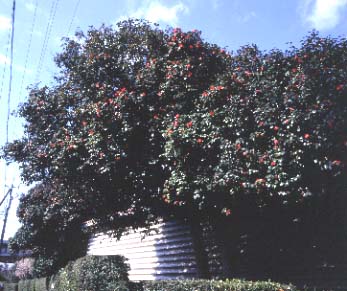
(28, 49)
(11, 72)
(73, 16)
(5, 65)
(10, 85)
(47, 36)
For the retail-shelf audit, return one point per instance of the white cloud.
(5, 23)
(322, 14)
(4, 60)
(30, 6)
(246, 17)
(216, 4)
(155, 11)
(18, 68)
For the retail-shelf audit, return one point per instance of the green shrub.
(10, 286)
(211, 285)
(99, 273)
(38, 284)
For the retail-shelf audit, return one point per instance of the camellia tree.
(144, 123)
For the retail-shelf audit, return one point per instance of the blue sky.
(229, 23)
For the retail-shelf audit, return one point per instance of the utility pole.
(9, 192)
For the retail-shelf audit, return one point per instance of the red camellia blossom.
(199, 140)
(205, 94)
(276, 142)
(339, 87)
(260, 181)
(211, 113)
(307, 136)
(177, 116)
(189, 124)
(276, 128)
(273, 163)
(227, 212)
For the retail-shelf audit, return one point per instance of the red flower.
(177, 116)
(273, 163)
(238, 146)
(190, 46)
(227, 212)
(189, 74)
(307, 136)
(155, 116)
(199, 140)
(339, 87)
(276, 128)
(189, 124)
(211, 113)
(175, 124)
(275, 142)
(260, 181)
(204, 94)
(336, 162)
(181, 45)
(248, 73)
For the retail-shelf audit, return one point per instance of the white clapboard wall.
(166, 252)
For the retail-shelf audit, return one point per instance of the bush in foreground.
(172, 285)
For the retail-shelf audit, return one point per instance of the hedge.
(172, 285)
(100, 273)
(212, 285)
(109, 273)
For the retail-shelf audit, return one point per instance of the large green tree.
(144, 123)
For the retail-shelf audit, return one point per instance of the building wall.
(166, 251)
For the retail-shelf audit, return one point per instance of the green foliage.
(39, 284)
(212, 285)
(144, 123)
(92, 273)
(10, 286)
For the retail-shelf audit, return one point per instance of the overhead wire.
(73, 17)
(28, 48)
(9, 89)
(5, 64)
(11, 73)
(49, 27)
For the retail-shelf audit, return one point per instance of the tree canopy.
(145, 123)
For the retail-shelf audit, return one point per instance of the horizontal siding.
(164, 252)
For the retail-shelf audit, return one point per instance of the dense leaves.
(144, 123)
